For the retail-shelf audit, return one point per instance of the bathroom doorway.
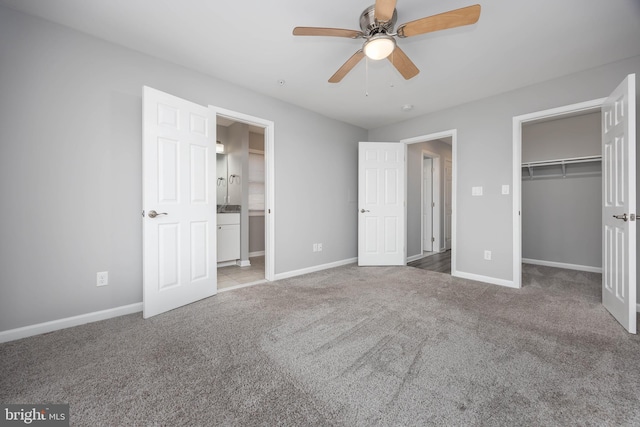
(244, 186)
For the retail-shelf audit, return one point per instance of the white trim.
(269, 184)
(257, 253)
(244, 285)
(315, 268)
(485, 279)
(243, 263)
(562, 265)
(453, 134)
(416, 257)
(516, 184)
(424, 255)
(55, 325)
(225, 264)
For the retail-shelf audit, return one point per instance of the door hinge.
(632, 217)
(433, 239)
(433, 204)
(143, 212)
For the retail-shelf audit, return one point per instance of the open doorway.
(244, 200)
(542, 171)
(430, 201)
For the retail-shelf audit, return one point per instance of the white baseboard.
(54, 325)
(244, 285)
(415, 257)
(226, 263)
(257, 253)
(562, 265)
(243, 263)
(315, 268)
(485, 279)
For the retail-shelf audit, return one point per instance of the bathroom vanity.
(228, 237)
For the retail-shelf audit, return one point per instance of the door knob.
(363, 210)
(622, 217)
(153, 214)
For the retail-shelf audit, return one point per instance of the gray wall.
(562, 217)
(576, 136)
(414, 190)
(256, 233)
(70, 170)
(484, 157)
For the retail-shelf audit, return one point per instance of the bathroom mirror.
(222, 186)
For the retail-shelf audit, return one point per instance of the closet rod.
(567, 161)
(561, 162)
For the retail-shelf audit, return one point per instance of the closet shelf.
(560, 162)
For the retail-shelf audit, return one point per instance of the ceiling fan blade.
(331, 32)
(454, 18)
(346, 67)
(384, 10)
(403, 64)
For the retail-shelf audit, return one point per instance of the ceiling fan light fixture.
(379, 46)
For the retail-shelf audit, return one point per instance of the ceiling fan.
(377, 24)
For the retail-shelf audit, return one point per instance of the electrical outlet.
(319, 247)
(487, 255)
(102, 278)
(476, 191)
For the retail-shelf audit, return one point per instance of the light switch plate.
(505, 189)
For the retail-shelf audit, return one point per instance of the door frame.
(558, 112)
(269, 184)
(453, 134)
(435, 196)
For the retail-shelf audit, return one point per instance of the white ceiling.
(516, 43)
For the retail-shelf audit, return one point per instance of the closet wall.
(562, 216)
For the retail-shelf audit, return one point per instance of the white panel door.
(427, 204)
(619, 204)
(179, 243)
(381, 203)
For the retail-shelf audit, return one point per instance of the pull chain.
(366, 76)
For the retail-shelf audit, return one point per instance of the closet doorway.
(244, 200)
(557, 189)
